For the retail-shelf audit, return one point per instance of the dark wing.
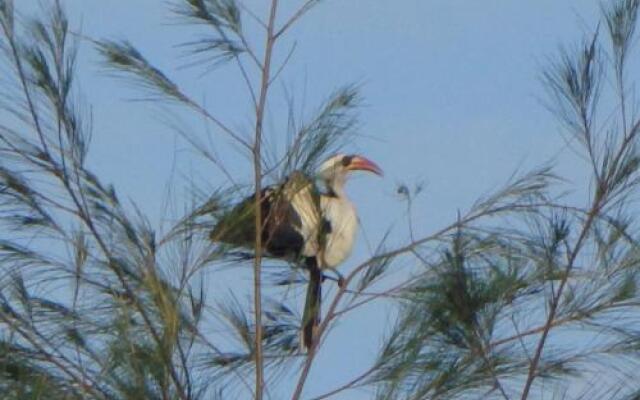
(281, 234)
(289, 211)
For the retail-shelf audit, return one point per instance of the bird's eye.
(346, 160)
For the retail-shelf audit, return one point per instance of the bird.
(306, 219)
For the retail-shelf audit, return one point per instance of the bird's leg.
(341, 281)
(339, 278)
(325, 277)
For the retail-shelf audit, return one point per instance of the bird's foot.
(339, 279)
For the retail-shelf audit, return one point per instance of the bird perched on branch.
(302, 222)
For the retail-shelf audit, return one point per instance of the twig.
(353, 382)
(496, 381)
(197, 107)
(252, 15)
(284, 63)
(257, 165)
(298, 14)
(555, 301)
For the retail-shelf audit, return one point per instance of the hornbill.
(302, 222)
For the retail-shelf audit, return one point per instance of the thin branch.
(297, 15)
(25, 87)
(349, 385)
(492, 370)
(217, 122)
(555, 301)
(252, 14)
(284, 64)
(257, 165)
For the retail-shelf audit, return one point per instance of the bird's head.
(335, 169)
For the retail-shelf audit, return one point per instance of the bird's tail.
(311, 316)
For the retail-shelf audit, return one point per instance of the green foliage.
(127, 58)
(331, 127)
(441, 344)
(224, 19)
(220, 14)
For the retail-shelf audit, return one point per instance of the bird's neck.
(335, 187)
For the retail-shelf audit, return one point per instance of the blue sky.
(452, 100)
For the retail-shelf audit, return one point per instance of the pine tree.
(96, 303)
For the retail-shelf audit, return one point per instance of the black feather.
(281, 225)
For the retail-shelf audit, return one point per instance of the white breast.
(336, 246)
(341, 214)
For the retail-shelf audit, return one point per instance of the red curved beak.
(362, 164)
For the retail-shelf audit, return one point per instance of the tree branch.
(257, 165)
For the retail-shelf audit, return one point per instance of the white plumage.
(341, 215)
